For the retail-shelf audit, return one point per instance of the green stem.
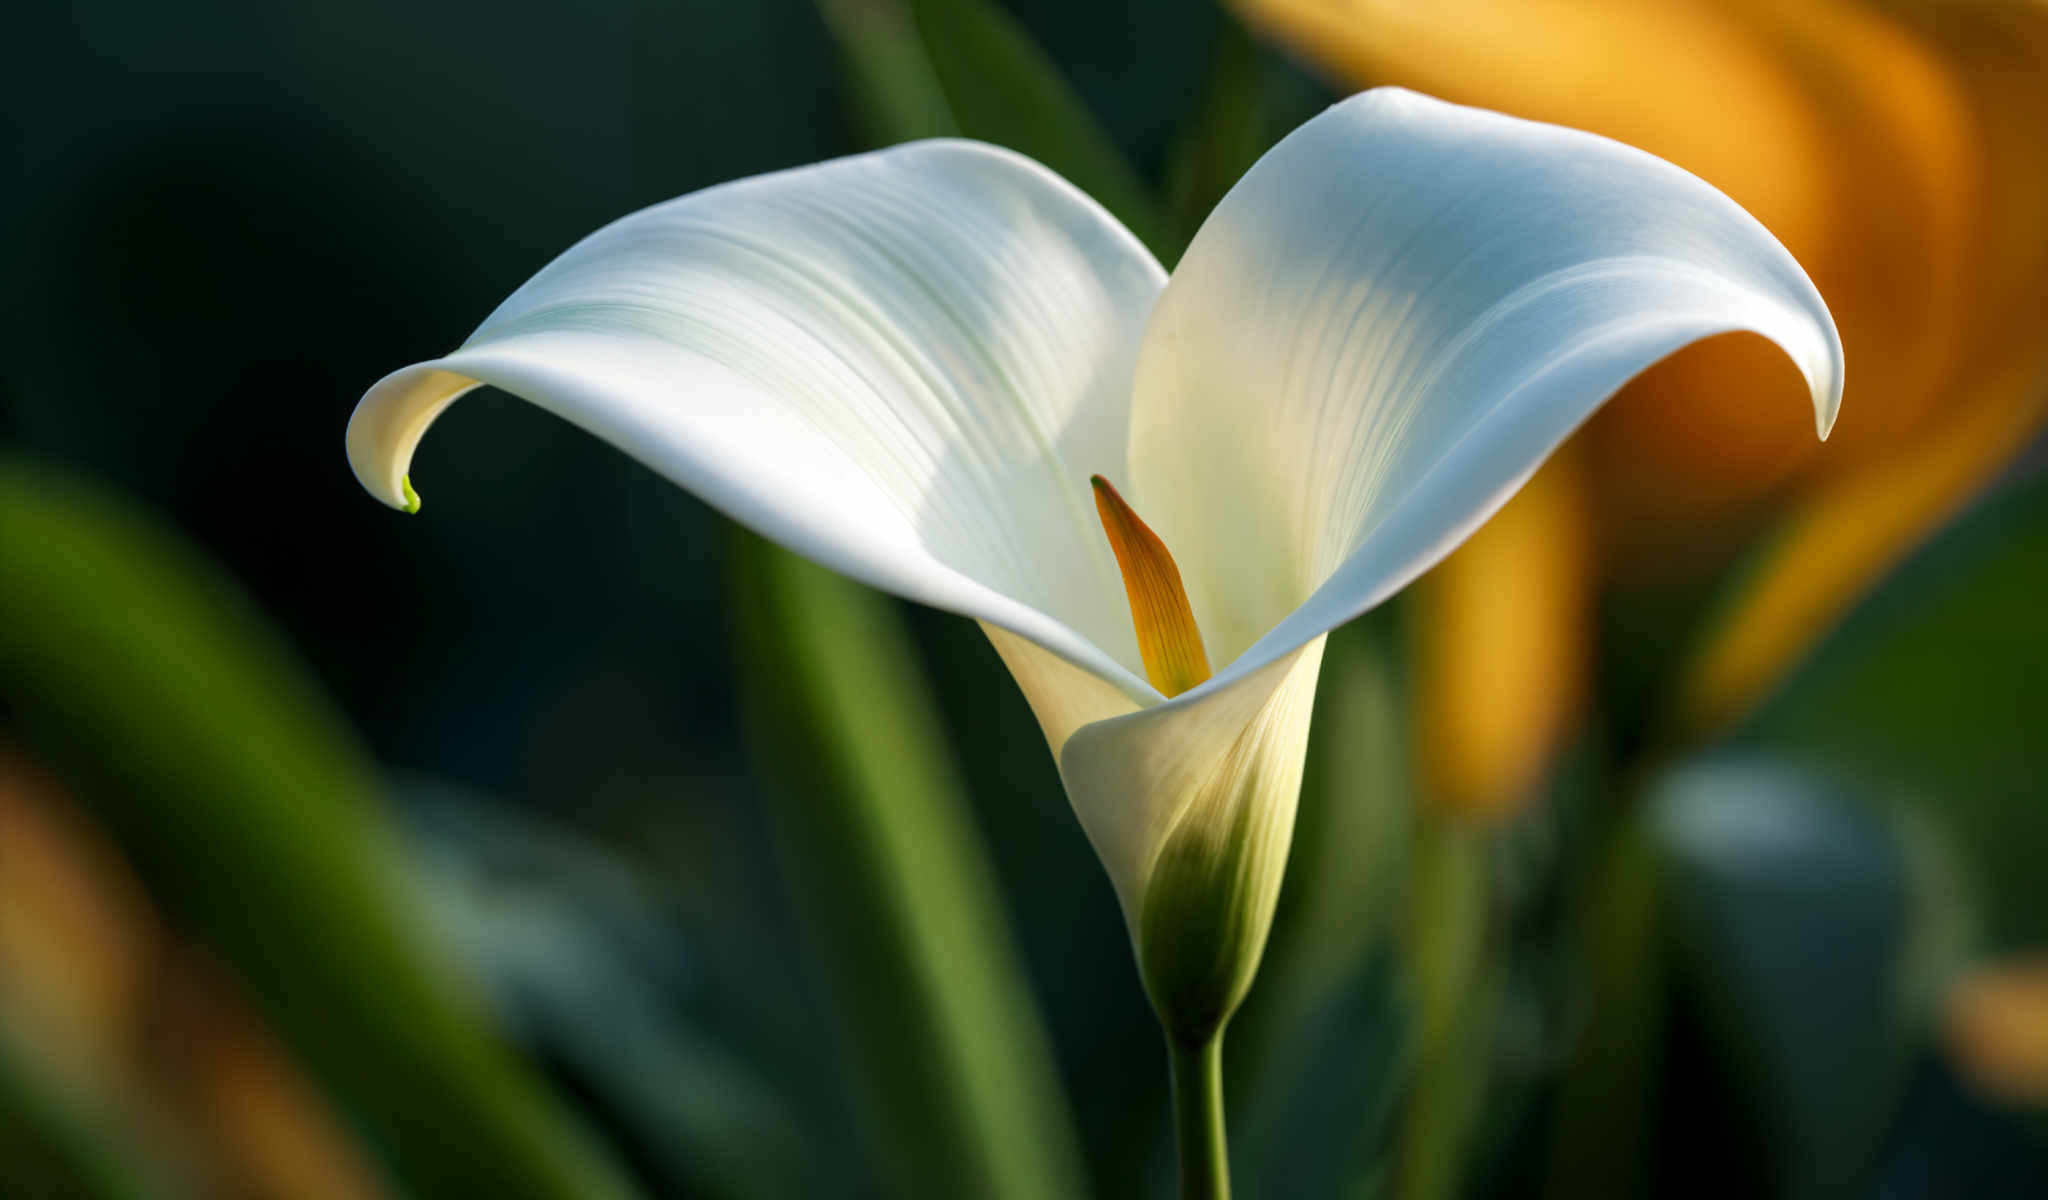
(1198, 1119)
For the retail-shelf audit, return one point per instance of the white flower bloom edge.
(906, 365)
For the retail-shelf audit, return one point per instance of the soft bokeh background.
(560, 841)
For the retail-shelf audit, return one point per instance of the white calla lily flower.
(908, 365)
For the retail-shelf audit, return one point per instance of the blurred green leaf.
(1605, 1107)
(1454, 980)
(895, 91)
(581, 961)
(954, 1070)
(1790, 897)
(1320, 1119)
(1226, 135)
(1934, 692)
(253, 813)
(996, 85)
(1003, 89)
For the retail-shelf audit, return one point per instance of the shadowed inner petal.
(1388, 324)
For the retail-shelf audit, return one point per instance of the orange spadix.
(1168, 640)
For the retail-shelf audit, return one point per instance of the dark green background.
(224, 221)
(228, 219)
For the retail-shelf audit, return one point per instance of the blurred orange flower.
(1995, 1026)
(128, 1014)
(1898, 150)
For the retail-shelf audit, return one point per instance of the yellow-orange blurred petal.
(1168, 641)
(2000, 51)
(1903, 162)
(1504, 645)
(1784, 107)
(1838, 543)
(260, 1127)
(1722, 108)
(1695, 449)
(87, 969)
(1995, 1023)
(1845, 535)
(1703, 439)
(77, 938)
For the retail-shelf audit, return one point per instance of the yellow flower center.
(1168, 640)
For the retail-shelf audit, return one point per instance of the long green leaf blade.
(252, 811)
(895, 91)
(1222, 139)
(953, 1068)
(994, 84)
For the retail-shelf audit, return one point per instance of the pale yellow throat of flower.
(1168, 640)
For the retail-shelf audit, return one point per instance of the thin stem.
(1198, 1119)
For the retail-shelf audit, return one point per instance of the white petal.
(1390, 322)
(1190, 805)
(904, 365)
(1132, 778)
(1198, 763)
(1062, 696)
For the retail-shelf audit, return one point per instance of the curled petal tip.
(388, 423)
(1824, 417)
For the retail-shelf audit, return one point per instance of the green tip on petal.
(412, 498)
